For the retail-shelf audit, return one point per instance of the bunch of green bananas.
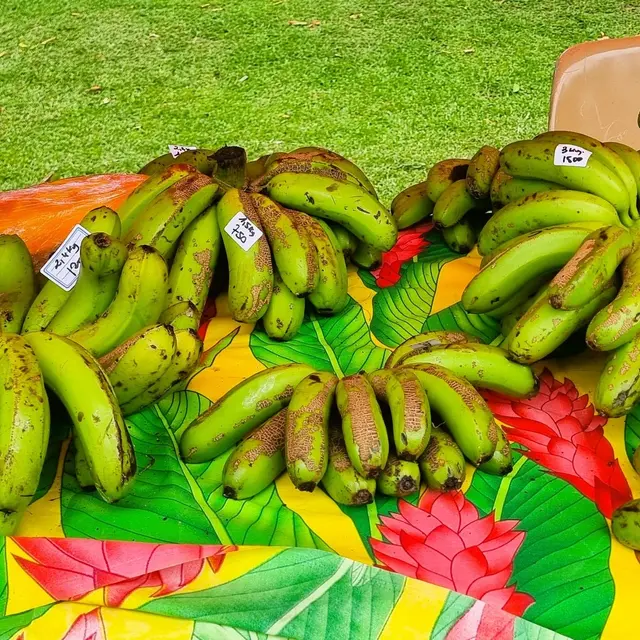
(365, 431)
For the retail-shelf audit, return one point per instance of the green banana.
(200, 159)
(591, 267)
(81, 466)
(483, 167)
(162, 222)
(443, 174)
(241, 409)
(442, 464)
(542, 329)
(342, 202)
(188, 348)
(424, 342)
(139, 301)
(255, 168)
(78, 380)
(530, 256)
(501, 462)
(399, 478)
(535, 159)
(409, 408)
(102, 259)
(230, 166)
(625, 524)
(411, 205)
(618, 388)
(307, 429)
(619, 322)
(366, 257)
(285, 313)
(365, 433)
(293, 250)
(139, 361)
(454, 203)
(506, 189)
(257, 461)
(182, 315)
(347, 242)
(484, 366)
(540, 210)
(461, 237)
(341, 481)
(24, 437)
(17, 283)
(250, 271)
(520, 300)
(630, 157)
(463, 409)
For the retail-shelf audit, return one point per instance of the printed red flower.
(443, 541)
(87, 626)
(69, 568)
(411, 242)
(561, 431)
(483, 622)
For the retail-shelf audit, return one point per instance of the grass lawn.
(104, 85)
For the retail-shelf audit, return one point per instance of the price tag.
(244, 233)
(570, 155)
(176, 149)
(63, 267)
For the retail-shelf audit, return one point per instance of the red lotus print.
(443, 541)
(483, 622)
(561, 431)
(69, 568)
(410, 243)
(87, 626)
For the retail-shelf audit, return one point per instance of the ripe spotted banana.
(443, 174)
(412, 205)
(442, 464)
(483, 167)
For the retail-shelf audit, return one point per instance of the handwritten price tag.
(176, 149)
(570, 155)
(63, 267)
(242, 231)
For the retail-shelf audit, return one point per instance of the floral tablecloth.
(527, 556)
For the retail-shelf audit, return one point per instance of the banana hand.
(443, 174)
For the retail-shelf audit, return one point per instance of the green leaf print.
(632, 431)
(455, 318)
(10, 625)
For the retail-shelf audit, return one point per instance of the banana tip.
(229, 492)
(306, 486)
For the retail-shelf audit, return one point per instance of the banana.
(342, 202)
(521, 300)
(618, 388)
(195, 260)
(630, 157)
(461, 237)
(285, 313)
(255, 168)
(484, 366)
(293, 250)
(24, 437)
(619, 322)
(139, 361)
(544, 209)
(501, 462)
(230, 166)
(424, 342)
(102, 260)
(399, 478)
(592, 266)
(442, 464)
(52, 297)
(542, 329)
(625, 524)
(188, 348)
(307, 430)
(17, 283)
(347, 242)
(78, 380)
(463, 410)
(162, 222)
(506, 189)
(182, 315)
(81, 466)
(530, 256)
(409, 408)
(341, 481)
(241, 409)
(412, 205)
(366, 257)
(257, 461)
(443, 174)
(482, 169)
(139, 301)
(454, 203)
(200, 159)
(364, 430)
(330, 294)
(250, 271)
(535, 159)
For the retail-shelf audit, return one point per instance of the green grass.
(385, 82)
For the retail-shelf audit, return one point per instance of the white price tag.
(243, 231)
(63, 267)
(176, 149)
(570, 155)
